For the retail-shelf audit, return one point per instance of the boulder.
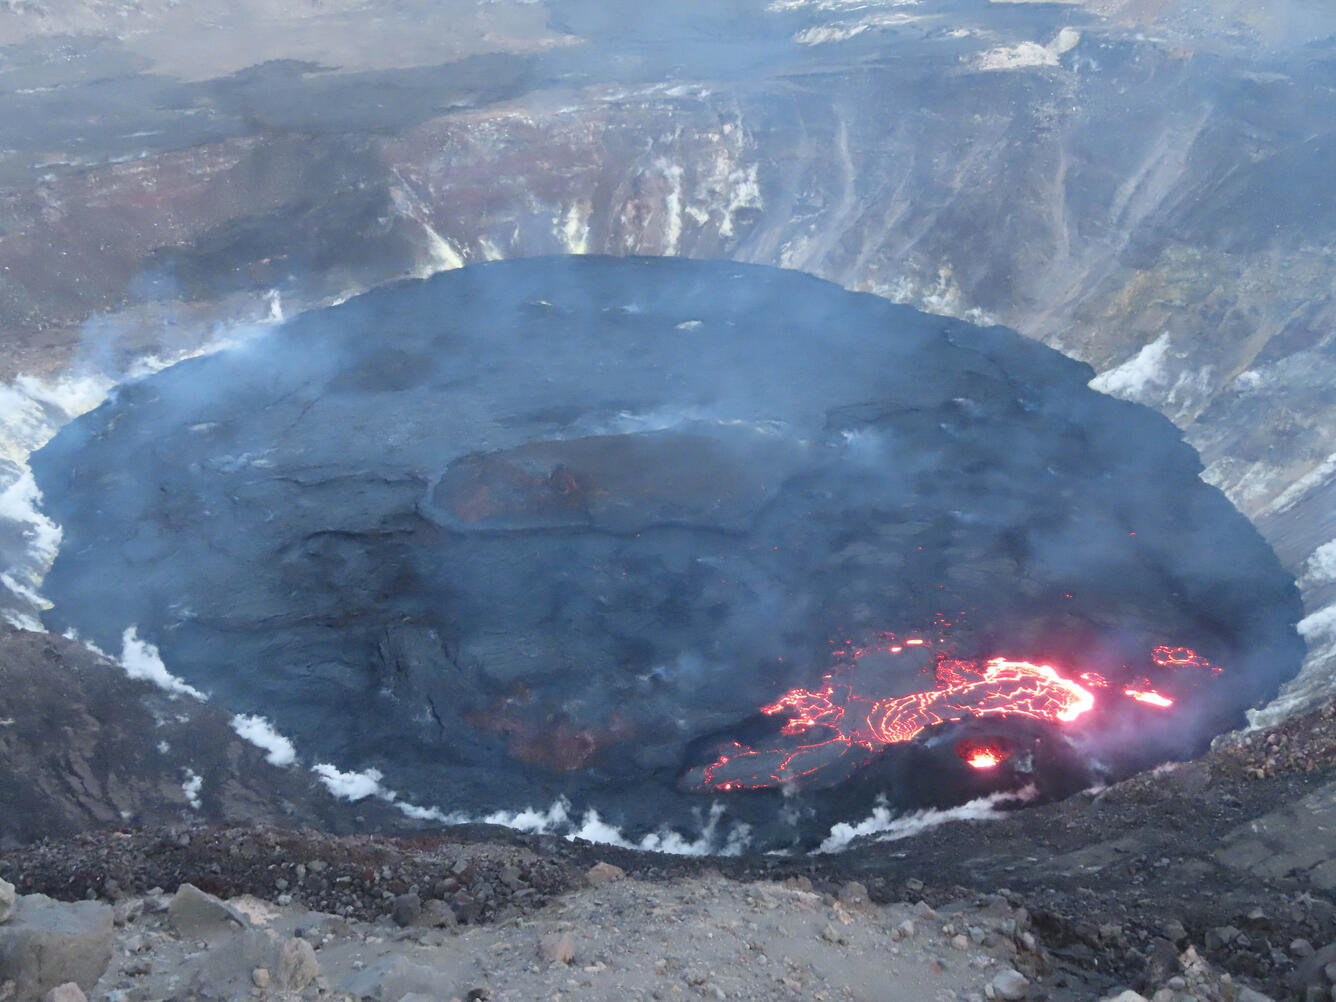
(297, 966)
(437, 915)
(603, 873)
(1310, 977)
(8, 897)
(68, 992)
(406, 909)
(1010, 985)
(393, 978)
(854, 895)
(46, 944)
(195, 913)
(237, 961)
(557, 948)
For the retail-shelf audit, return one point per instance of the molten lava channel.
(831, 723)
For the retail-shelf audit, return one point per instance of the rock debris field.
(703, 937)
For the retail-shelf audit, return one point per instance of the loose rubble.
(705, 936)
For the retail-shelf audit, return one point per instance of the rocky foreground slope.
(607, 935)
(704, 936)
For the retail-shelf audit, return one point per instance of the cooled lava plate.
(657, 534)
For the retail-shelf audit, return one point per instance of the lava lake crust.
(550, 527)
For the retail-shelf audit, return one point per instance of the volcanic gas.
(656, 535)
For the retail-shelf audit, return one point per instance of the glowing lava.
(984, 754)
(835, 729)
(1149, 696)
(1182, 657)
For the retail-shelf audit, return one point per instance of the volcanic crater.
(655, 535)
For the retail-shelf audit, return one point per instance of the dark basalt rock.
(83, 747)
(533, 528)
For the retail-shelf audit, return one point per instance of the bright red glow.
(1182, 657)
(1149, 696)
(834, 722)
(984, 754)
(835, 728)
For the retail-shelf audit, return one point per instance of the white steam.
(192, 788)
(1321, 625)
(141, 660)
(848, 18)
(557, 820)
(355, 786)
(258, 731)
(352, 786)
(890, 827)
(1321, 566)
(19, 502)
(32, 410)
(1133, 378)
(1027, 54)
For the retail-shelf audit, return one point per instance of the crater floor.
(560, 526)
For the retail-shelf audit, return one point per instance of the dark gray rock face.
(540, 527)
(83, 746)
(1291, 841)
